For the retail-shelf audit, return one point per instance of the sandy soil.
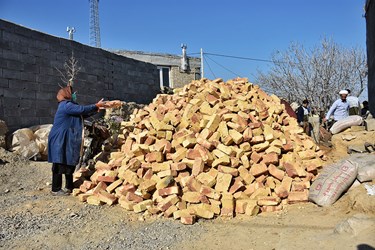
(30, 218)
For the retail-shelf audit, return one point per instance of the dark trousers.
(57, 171)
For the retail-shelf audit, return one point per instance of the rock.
(73, 215)
(348, 137)
(355, 225)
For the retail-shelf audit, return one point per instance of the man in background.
(365, 109)
(339, 109)
(303, 113)
(354, 105)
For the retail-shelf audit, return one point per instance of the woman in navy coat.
(65, 138)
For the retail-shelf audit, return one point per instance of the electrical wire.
(238, 57)
(234, 73)
(209, 67)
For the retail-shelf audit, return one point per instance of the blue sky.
(246, 28)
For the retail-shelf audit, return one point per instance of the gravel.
(33, 219)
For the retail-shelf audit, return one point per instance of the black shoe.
(59, 193)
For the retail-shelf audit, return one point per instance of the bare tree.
(71, 68)
(317, 74)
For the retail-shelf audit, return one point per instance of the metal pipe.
(202, 69)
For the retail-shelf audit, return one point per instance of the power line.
(209, 67)
(234, 73)
(239, 57)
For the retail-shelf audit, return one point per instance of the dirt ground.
(30, 218)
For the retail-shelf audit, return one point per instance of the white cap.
(343, 92)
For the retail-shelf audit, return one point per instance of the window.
(164, 77)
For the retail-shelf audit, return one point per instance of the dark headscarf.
(64, 94)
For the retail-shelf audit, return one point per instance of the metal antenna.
(71, 31)
(94, 23)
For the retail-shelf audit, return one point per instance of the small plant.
(72, 68)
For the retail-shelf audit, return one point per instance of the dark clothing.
(65, 138)
(57, 171)
(58, 168)
(364, 112)
(301, 117)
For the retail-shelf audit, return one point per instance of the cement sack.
(29, 150)
(332, 182)
(19, 138)
(38, 127)
(366, 166)
(41, 138)
(353, 120)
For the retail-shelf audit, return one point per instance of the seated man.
(339, 109)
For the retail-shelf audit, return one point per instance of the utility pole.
(71, 31)
(202, 69)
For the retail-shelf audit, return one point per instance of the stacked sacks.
(211, 149)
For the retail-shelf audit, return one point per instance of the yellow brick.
(206, 179)
(169, 212)
(142, 206)
(218, 153)
(223, 182)
(179, 154)
(252, 208)
(261, 146)
(268, 132)
(223, 129)
(237, 136)
(228, 170)
(245, 161)
(192, 197)
(260, 192)
(94, 200)
(227, 208)
(225, 160)
(203, 212)
(148, 185)
(164, 182)
(114, 185)
(124, 203)
(158, 167)
(213, 123)
(225, 149)
(198, 167)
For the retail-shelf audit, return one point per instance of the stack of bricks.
(213, 148)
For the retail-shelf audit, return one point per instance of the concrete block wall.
(29, 79)
(179, 79)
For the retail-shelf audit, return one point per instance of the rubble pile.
(213, 148)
